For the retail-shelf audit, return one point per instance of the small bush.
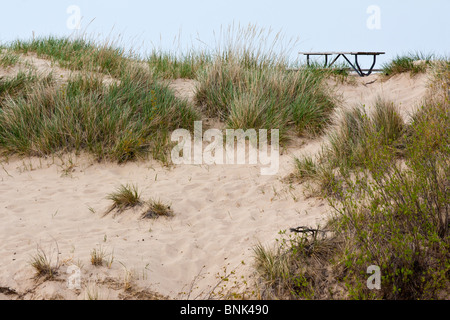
(398, 218)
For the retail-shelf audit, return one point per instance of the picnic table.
(354, 65)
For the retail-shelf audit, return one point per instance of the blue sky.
(326, 25)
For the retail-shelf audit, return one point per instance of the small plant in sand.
(98, 257)
(128, 278)
(43, 265)
(157, 208)
(126, 196)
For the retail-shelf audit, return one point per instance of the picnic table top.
(353, 53)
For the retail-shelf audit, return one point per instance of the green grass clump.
(247, 85)
(305, 167)
(414, 63)
(14, 86)
(348, 143)
(157, 208)
(125, 197)
(265, 97)
(120, 122)
(43, 265)
(77, 54)
(172, 66)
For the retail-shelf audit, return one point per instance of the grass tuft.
(173, 66)
(265, 98)
(77, 54)
(414, 63)
(43, 265)
(125, 197)
(156, 208)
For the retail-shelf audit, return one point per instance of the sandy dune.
(221, 212)
(405, 91)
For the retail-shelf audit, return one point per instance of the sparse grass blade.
(8, 58)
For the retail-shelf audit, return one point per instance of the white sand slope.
(405, 91)
(221, 212)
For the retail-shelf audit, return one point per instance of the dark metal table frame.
(355, 66)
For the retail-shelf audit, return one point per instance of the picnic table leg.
(334, 60)
(354, 68)
(373, 64)
(362, 74)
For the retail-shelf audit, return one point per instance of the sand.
(221, 212)
(406, 91)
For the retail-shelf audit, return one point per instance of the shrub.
(397, 215)
(391, 208)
